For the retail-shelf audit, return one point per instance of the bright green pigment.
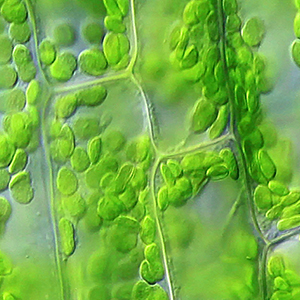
(66, 105)
(20, 187)
(33, 92)
(25, 65)
(5, 210)
(116, 49)
(92, 96)
(66, 231)
(47, 52)
(14, 11)
(66, 181)
(19, 161)
(63, 66)
(92, 62)
(80, 160)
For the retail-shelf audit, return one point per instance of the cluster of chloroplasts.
(221, 64)
(284, 282)
(277, 202)
(15, 58)
(183, 179)
(102, 180)
(272, 196)
(245, 69)
(296, 43)
(21, 117)
(19, 137)
(196, 52)
(111, 49)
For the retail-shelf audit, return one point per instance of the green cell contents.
(66, 181)
(92, 62)
(278, 188)
(151, 268)
(67, 236)
(291, 198)
(123, 177)
(12, 100)
(86, 127)
(203, 116)
(263, 197)
(217, 172)
(9, 77)
(80, 160)
(34, 117)
(95, 172)
(162, 198)
(116, 7)
(288, 223)
(19, 128)
(125, 233)
(167, 175)
(25, 65)
(5, 265)
(63, 67)
(139, 179)
(19, 161)
(4, 179)
(114, 24)
(138, 149)
(92, 96)
(63, 145)
(195, 12)
(107, 197)
(94, 149)
(220, 124)
(20, 32)
(8, 296)
(6, 49)
(144, 291)
(267, 165)
(253, 31)
(113, 140)
(47, 52)
(116, 50)
(74, 205)
(5, 209)
(231, 163)
(230, 7)
(296, 52)
(33, 92)
(148, 230)
(7, 150)
(14, 11)
(20, 187)
(110, 207)
(276, 266)
(174, 167)
(66, 105)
